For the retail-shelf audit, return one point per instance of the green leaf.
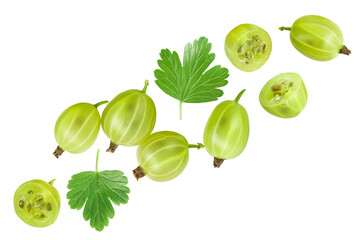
(95, 190)
(191, 82)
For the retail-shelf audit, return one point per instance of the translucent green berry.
(77, 128)
(129, 118)
(284, 95)
(248, 47)
(227, 131)
(317, 38)
(163, 156)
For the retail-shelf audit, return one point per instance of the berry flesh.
(37, 203)
(248, 47)
(284, 95)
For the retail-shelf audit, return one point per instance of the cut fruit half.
(248, 47)
(284, 95)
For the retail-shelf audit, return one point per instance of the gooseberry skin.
(77, 128)
(240, 36)
(163, 155)
(227, 131)
(37, 203)
(129, 118)
(292, 102)
(317, 38)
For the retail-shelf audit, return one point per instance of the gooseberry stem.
(145, 87)
(218, 162)
(100, 103)
(97, 160)
(112, 147)
(138, 173)
(52, 182)
(284, 28)
(345, 50)
(239, 95)
(198, 146)
(58, 151)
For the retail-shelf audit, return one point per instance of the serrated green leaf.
(95, 190)
(191, 82)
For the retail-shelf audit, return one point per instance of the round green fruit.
(163, 156)
(284, 95)
(37, 203)
(317, 38)
(227, 131)
(248, 47)
(129, 118)
(77, 128)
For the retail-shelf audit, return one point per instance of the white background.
(297, 178)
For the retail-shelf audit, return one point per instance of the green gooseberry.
(227, 131)
(284, 95)
(37, 203)
(317, 38)
(248, 47)
(129, 118)
(77, 128)
(163, 156)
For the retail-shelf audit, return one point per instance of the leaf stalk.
(181, 110)
(97, 160)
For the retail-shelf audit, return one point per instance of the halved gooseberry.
(284, 95)
(248, 47)
(37, 203)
